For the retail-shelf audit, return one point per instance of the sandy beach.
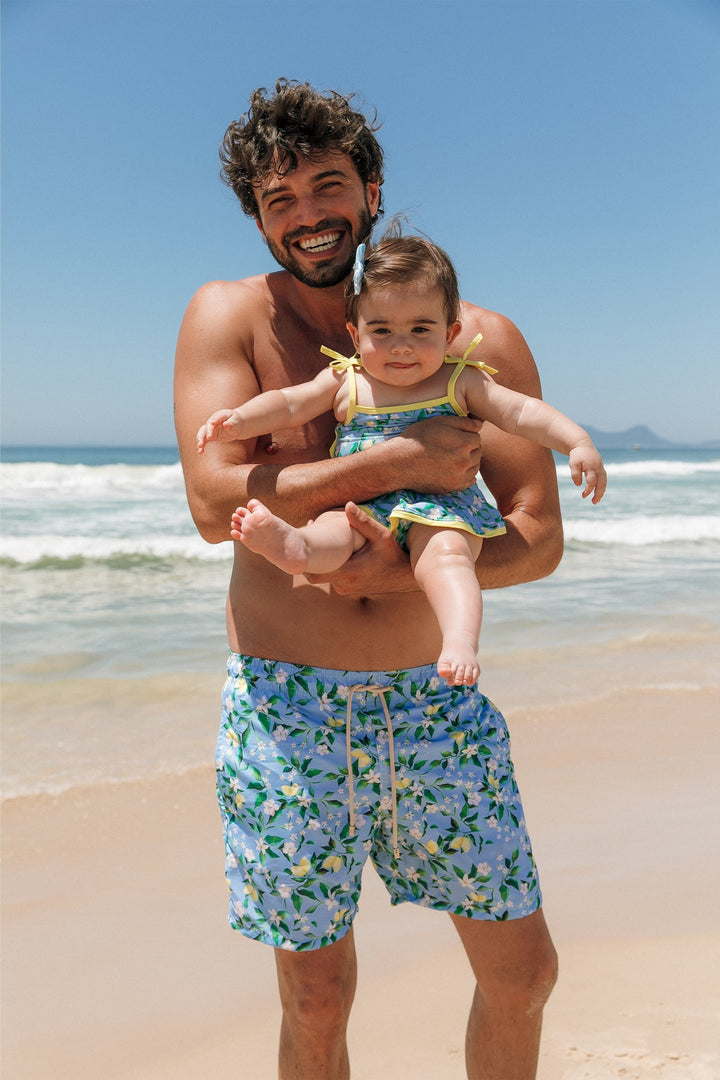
(119, 965)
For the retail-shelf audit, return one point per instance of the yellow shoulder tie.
(347, 365)
(340, 362)
(460, 365)
(472, 363)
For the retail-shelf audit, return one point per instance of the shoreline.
(113, 729)
(116, 944)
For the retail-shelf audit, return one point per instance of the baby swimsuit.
(366, 426)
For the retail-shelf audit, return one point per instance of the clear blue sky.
(564, 152)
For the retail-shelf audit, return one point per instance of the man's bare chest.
(277, 367)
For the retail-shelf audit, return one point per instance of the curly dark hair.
(296, 120)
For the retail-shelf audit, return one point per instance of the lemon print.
(460, 843)
(333, 862)
(302, 867)
(290, 789)
(432, 847)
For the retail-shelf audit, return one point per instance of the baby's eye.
(380, 331)
(421, 329)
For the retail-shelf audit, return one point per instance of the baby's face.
(402, 333)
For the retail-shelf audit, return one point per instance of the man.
(308, 168)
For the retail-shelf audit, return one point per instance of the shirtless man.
(338, 794)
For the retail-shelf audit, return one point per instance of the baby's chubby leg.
(319, 547)
(443, 561)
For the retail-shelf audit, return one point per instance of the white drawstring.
(380, 691)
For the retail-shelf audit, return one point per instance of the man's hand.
(449, 458)
(380, 566)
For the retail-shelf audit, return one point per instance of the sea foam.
(49, 479)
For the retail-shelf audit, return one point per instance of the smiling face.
(402, 333)
(314, 217)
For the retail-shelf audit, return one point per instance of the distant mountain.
(641, 437)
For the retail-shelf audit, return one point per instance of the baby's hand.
(586, 461)
(222, 426)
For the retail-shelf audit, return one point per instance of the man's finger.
(363, 523)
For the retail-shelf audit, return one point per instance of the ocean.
(113, 606)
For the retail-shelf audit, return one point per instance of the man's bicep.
(212, 367)
(518, 473)
(212, 371)
(523, 480)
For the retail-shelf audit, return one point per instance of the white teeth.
(317, 242)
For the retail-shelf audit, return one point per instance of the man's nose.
(308, 211)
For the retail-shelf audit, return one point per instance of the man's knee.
(524, 988)
(321, 1007)
(543, 979)
(316, 996)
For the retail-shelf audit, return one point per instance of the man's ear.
(258, 222)
(372, 194)
(452, 332)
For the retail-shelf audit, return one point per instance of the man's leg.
(515, 965)
(316, 993)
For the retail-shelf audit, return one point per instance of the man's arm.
(521, 475)
(214, 368)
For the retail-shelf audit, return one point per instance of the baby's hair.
(406, 260)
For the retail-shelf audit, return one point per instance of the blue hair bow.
(358, 268)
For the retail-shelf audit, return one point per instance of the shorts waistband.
(279, 671)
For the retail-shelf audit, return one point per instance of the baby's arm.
(289, 407)
(539, 422)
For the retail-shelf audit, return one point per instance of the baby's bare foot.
(458, 664)
(264, 533)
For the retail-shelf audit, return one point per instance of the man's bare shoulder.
(244, 293)
(503, 347)
(235, 310)
(491, 324)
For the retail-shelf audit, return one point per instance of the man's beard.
(323, 277)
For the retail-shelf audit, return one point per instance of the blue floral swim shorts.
(318, 769)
